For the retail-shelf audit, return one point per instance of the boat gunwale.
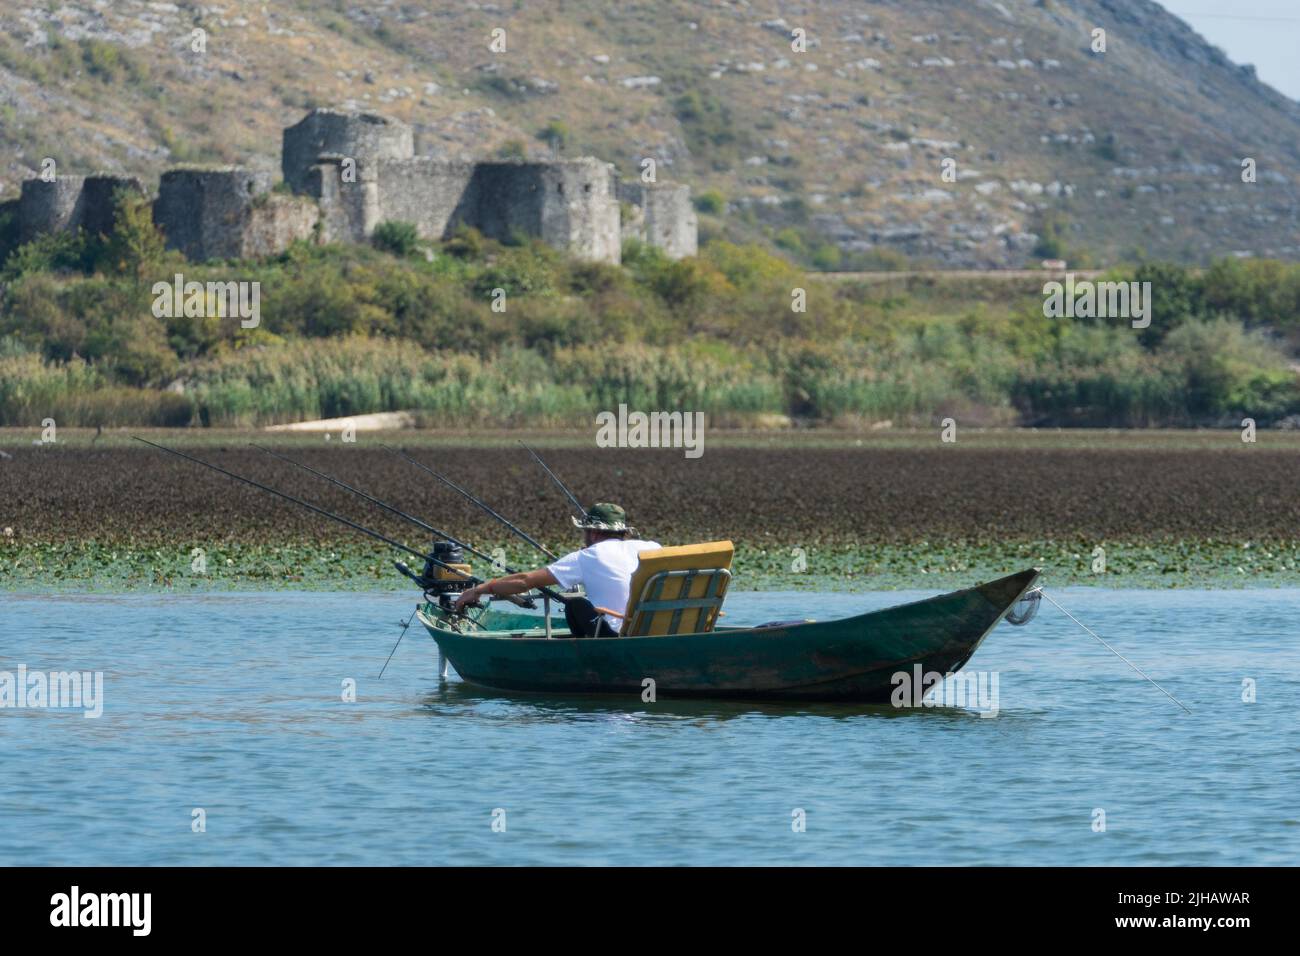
(539, 634)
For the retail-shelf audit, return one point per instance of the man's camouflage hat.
(604, 517)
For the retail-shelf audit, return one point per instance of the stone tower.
(662, 216)
(361, 137)
(228, 212)
(69, 203)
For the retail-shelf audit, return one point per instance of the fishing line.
(371, 498)
(1109, 648)
(306, 504)
(577, 505)
(478, 502)
(405, 625)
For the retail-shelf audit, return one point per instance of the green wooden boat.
(851, 659)
(670, 632)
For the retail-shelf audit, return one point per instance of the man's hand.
(512, 584)
(468, 596)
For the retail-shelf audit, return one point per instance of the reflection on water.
(455, 697)
(239, 704)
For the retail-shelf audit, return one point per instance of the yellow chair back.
(678, 590)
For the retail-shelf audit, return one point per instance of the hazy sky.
(1265, 33)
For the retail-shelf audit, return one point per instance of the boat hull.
(852, 659)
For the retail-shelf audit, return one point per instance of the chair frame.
(652, 601)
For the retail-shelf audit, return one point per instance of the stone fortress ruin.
(345, 173)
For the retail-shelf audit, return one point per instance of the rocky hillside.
(835, 154)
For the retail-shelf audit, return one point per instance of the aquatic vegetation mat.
(846, 517)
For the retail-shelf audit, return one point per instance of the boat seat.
(678, 590)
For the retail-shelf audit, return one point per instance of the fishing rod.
(428, 527)
(580, 511)
(401, 514)
(401, 566)
(306, 504)
(427, 558)
(473, 500)
(548, 592)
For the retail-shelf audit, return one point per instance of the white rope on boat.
(1111, 649)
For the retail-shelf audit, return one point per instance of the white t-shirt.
(605, 570)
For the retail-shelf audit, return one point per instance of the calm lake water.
(232, 704)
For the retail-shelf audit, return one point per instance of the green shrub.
(466, 242)
(1051, 237)
(791, 240)
(709, 128)
(1175, 298)
(52, 252)
(711, 202)
(519, 271)
(1257, 291)
(512, 149)
(399, 238)
(135, 247)
(1106, 148)
(880, 259)
(1229, 372)
(555, 135)
(352, 329)
(826, 257)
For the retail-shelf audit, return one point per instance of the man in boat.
(604, 567)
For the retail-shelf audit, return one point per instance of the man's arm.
(506, 586)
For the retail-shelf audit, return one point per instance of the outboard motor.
(437, 581)
(446, 582)
(446, 578)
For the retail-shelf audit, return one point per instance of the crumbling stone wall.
(662, 215)
(436, 195)
(363, 137)
(565, 203)
(70, 202)
(348, 201)
(228, 213)
(570, 204)
(276, 221)
(351, 171)
(49, 206)
(579, 211)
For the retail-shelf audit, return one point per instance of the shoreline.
(865, 435)
(838, 512)
(332, 566)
